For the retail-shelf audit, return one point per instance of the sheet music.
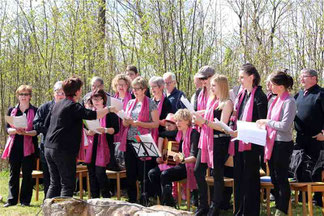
(17, 121)
(223, 125)
(116, 103)
(248, 132)
(187, 104)
(121, 114)
(150, 145)
(93, 125)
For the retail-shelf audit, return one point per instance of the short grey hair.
(169, 74)
(95, 79)
(311, 72)
(58, 85)
(157, 80)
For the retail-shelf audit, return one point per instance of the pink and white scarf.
(273, 114)
(103, 152)
(206, 140)
(247, 116)
(28, 140)
(143, 116)
(191, 180)
(202, 99)
(155, 131)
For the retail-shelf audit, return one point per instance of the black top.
(194, 139)
(309, 119)
(218, 114)
(39, 120)
(64, 124)
(166, 109)
(111, 122)
(260, 106)
(17, 151)
(175, 101)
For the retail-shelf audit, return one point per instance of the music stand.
(143, 150)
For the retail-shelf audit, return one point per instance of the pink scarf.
(202, 99)
(206, 140)
(155, 131)
(103, 153)
(143, 116)
(273, 114)
(28, 140)
(191, 180)
(118, 136)
(247, 116)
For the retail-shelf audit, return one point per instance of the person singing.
(98, 152)
(213, 144)
(279, 147)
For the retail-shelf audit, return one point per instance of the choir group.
(198, 142)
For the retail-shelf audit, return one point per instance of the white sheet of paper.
(147, 138)
(116, 103)
(121, 114)
(93, 125)
(248, 132)
(223, 125)
(17, 121)
(187, 104)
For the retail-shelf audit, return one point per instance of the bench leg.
(81, 185)
(310, 200)
(179, 193)
(118, 186)
(88, 186)
(289, 208)
(37, 188)
(296, 197)
(304, 203)
(268, 201)
(188, 198)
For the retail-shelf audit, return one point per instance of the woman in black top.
(250, 105)
(219, 106)
(20, 148)
(98, 153)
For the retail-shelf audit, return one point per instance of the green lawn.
(35, 206)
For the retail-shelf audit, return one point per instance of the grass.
(36, 205)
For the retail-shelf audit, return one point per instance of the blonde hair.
(184, 115)
(118, 77)
(21, 88)
(222, 83)
(141, 82)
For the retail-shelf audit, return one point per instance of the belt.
(221, 135)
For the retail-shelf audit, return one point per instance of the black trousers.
(26, 165)
(278, 166)
(247, 180)
(135, 171)
(44, 166)
(98, 181)
(62, 169)
(160, 178)
(220, 150)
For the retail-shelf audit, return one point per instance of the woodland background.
(42, 41)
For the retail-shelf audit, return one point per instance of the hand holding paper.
(248, 132)
(17, 121)
(93, 125)
(223, 125)
(187, 104)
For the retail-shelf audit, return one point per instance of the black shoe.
(201, 212)
(25, 204)
(8, 204)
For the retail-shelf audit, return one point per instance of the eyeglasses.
(204, 78)
(121, 85)
(136, 89)
(155, 86)
(169, 83)
(24, 94)
(304, 76)
(59, 93)
(97, 99)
